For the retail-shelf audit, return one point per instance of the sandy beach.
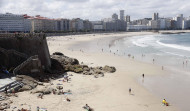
(108, 93)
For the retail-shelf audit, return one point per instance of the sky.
(96, 9)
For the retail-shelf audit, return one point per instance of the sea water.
(166, 50)
(171, 51)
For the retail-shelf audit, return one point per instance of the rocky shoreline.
(61, 64)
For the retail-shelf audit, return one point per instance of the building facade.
(76, 25)
(127, 18)
(122, 12)
(155, 16)
(62, 25)
(14, 23)
(115, 16)
(97, 25)
(42, 24)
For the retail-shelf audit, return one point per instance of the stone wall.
(27, 44)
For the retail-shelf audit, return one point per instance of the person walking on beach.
(129, 90)
(143, 75)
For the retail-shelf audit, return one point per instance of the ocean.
(166, 50)
(172, 51)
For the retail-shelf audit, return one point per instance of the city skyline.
(95, 9)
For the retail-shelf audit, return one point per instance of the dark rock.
(88, 72)
(97, 70)
(47, 91)
(109, 69)
(56, 65)
(74, 68)
(64, 60)
(25, 88)
(42, 90)
(58, 53)
(29, 82)
(59, 87)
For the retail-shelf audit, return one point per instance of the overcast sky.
(96, 9)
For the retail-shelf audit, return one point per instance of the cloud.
(73, 1)
(95, 9)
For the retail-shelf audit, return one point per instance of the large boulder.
(58, 53)
(44, 90)
(29, 82)
(25, 88)
(64, 60)
(56, 66)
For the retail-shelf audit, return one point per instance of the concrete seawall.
(27, 44)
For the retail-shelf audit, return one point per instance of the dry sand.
(108, 93)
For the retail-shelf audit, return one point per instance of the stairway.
(13, 85)
(24, 64)
(13, 51)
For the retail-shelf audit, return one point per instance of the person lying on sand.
(88, 108)
(164, 102)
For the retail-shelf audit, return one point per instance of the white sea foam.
(139, 44)
(143, 41)
(176, 54)
(174, 46)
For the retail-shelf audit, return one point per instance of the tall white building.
(122, 15)
(14, 23)
(127, 18)
(155, 16)
(179, 20)
(162, 23)
(76, 24)
(155, 24)
(62, 25)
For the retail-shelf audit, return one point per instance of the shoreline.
(136, 62)
(110, 92)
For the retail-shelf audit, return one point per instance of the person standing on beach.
(129, 90)
(143, 75)
(6, 90)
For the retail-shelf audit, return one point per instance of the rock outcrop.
(64, 63)
(29, 82)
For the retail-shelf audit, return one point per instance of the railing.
(23, 64)
(13, 51)
(13, 85)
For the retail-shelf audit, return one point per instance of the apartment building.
(14, 23)
(40, 24)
